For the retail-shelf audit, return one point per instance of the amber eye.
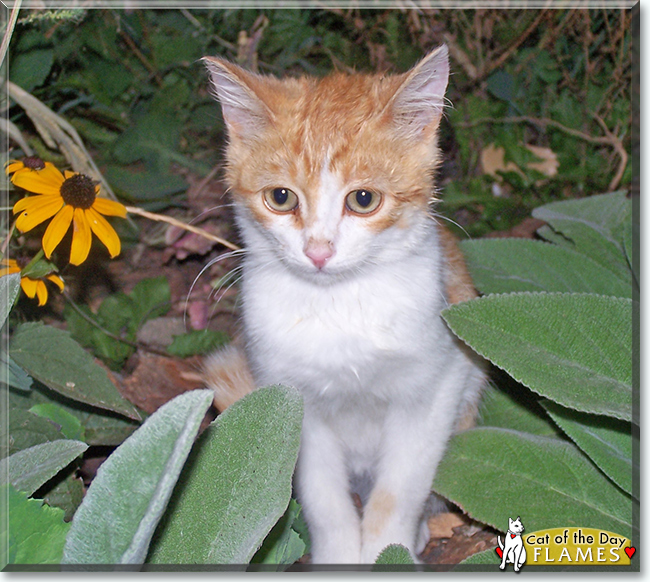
(363, 201)
(280, 199)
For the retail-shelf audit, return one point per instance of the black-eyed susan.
(29, 164)
(69, 198)
(33, 287)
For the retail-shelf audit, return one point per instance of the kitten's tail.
(226, 371)
(499, 542)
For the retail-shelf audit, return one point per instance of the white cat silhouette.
(513, 548)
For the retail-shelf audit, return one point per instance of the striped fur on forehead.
(370, 131)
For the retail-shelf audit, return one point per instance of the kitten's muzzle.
(319, 252)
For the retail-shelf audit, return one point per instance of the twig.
(609, 139)
(183, 225)
(505, 55)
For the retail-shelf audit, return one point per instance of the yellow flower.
(31, 287)
(29, 164)
(70, 199)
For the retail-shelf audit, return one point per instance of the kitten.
(344, 278)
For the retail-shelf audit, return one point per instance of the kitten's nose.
(319, 252)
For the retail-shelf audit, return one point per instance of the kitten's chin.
(326, 275)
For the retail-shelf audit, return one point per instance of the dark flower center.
(79, 191)
(33, 163)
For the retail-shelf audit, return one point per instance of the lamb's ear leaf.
(418, 103)
(243, 111)
(549, 472)
(236, 484)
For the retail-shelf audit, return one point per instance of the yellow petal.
(41, 293)
(46, 181)
(56, 280)
(29, 286)
(81, 237)
(35, 210)
(69, 173)
(10, 263)
(56, 230)
(109, 207)
(12, 166)
(104, 232)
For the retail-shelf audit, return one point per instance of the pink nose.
(319, 252)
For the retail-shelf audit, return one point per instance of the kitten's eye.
(363, 201)
(280, 199)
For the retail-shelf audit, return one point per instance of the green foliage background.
(132, 85)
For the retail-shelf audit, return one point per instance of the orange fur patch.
(342, 123)
(227, 373)
(377, 512)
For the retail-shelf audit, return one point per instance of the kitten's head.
(332, 174)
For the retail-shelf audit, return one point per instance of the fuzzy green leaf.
(514, 410)
(595, 225)
(33, 533)
(29, 469)
(236, 485)
(394, 555)
(606, 441)
(52, 357)
(572, 348)
(510, 265)
(117, 529)
(9, 287)
(545, 480)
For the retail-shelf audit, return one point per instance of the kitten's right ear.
(243, 111)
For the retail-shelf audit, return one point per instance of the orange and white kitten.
(344, 277)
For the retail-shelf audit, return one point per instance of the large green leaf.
(515, 410)
(31, 533)
(595, 224)
(606, 441)
(127, 498)
(572, 348)
(237, 483)
(29, 424)
(509, 265)
(547, 481)
(29, 469)
(52, 357)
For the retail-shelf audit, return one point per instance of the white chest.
(349, 337)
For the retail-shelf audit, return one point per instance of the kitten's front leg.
(323, 490)
(413, 445)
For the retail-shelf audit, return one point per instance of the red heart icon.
(512, 536)
(630, 551)
(499, 552)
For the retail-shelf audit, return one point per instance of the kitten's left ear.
(418, 103)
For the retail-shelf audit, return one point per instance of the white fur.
(382, 376)
(384, 381)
